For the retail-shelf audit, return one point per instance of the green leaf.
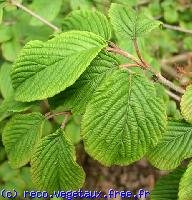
(10, 106)
(5, 80)
(185, 189)
(53, 164)
(171, 14)
(130, 24)
(123, 119)
(175, 146)
(10, 49)
(2, 154)
(171, 108)
(5, 33)
(20, 137)
(84, 20)
(186, 104)
(187, 41)
(44, 69)
(168, 186)
(81, 4)
(76, 97)
(2, 5)
(1, 14)
(46, 10)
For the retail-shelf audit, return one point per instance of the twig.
(173, 95)
(178, 58)
(129, 65)
(123, 53)
(177, 28)
(181, 58)
(65, 121)
(160, 78)
(166, 82)
(49, 115)
(169, 70)
(27, 10)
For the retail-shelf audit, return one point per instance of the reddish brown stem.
(144, 65)
(139, 53)
(123, 53)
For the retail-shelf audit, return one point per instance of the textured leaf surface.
(10, 106)
(84, 20)
(175, 146)
(46, 10)
(76, 97)
(44, 69)
(5, 80)
(129, 23)
(53, 164)
(20, 136)
(167, 187)
(123, 119)
(185, 189)
(186, 104)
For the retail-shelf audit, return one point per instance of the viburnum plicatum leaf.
(175, 146)
(76, 97)
(123, 119)
(167, 187)
(54, 166)
(20, 137)
(92, 21)
(185, 189)
(44, 69)
(130, 23)
(186, 104)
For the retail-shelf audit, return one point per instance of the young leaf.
(185, 189)
(20, 137)
(175, 146)
(76, 97)
(44, 69)
(130, 24)
(186, 104)
(123, 119)
(90, 21)
(5, 80)
(168, 186)
(53, 164)
(46, 10)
